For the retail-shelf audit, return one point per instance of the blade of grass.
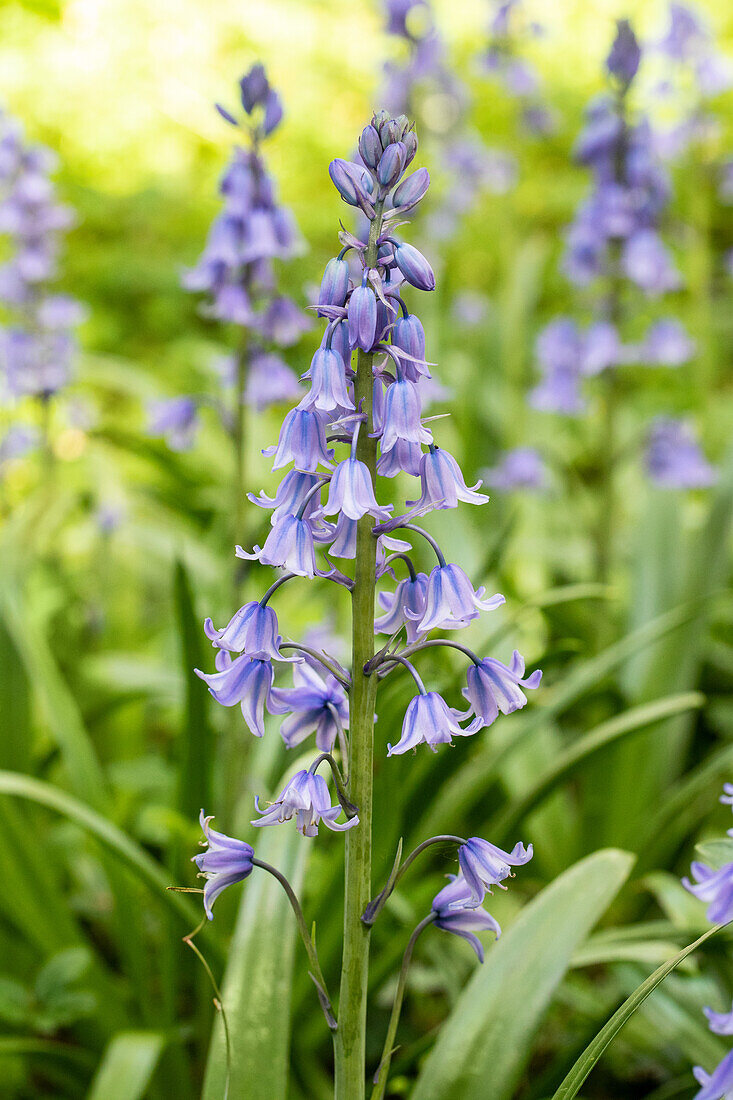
(595, 1050)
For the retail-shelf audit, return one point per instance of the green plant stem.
(351, 1034)
(380, 1083)
(316, 973)
(375, 907)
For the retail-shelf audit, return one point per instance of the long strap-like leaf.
(593, 1052)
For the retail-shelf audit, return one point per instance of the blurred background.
(609, 537)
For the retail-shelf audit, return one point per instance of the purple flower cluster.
(716, 889)
(328, 491)
(236, 270)
(37, 342)
(615, 240)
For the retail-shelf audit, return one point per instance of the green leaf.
(488, 1035)
(195, 743)
(594, 1051)
(16, 1003)
(605, 734)
(60, 708)
(64, 968)
(125, 849)
(127, 1066)
(469, 783)
(256, 986)
(716, 852)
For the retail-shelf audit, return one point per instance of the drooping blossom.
(493, 687)
(483, 865)
(454, 914)
(224, 862)
(307, 799)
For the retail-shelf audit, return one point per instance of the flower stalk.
(351, 1036)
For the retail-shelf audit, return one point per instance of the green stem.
(315, 972)
(351, 1035)
(380, 1083)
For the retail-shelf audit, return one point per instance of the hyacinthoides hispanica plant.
(614, 246)
(372, 410)
(37, 343)
(237, 272)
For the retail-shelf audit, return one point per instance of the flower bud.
(415, 268)
(352, 182)
(334, 284)
(254, 88)
(411, 190)
(370, 147)
(391, 164)
(410, 143)
(362, 318)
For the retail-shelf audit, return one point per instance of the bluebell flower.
(224, 862)
(623, 60)
(247, 681)
(328, 391)
(362, 316)
(310, 705)
(290, 544)
(442, 482)
(409, 596)
(720, 1022)
(451, 600)
(334, 284)
(302, 441)
(252, 630)
(351, 492)
(292, 491)
(601, 348)
(176, 419)
(667, 344)
(282, 323)
(717, 1085)
(403, 457)
(493, 687)
(713, 887)
(648, 263)
(307, 799)
(401, 416)
(559, 349)
(270, 381)
(414, 267)
(453, 914)
(519, 468)
(484, 865)
(674, 459)
(428, 720)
